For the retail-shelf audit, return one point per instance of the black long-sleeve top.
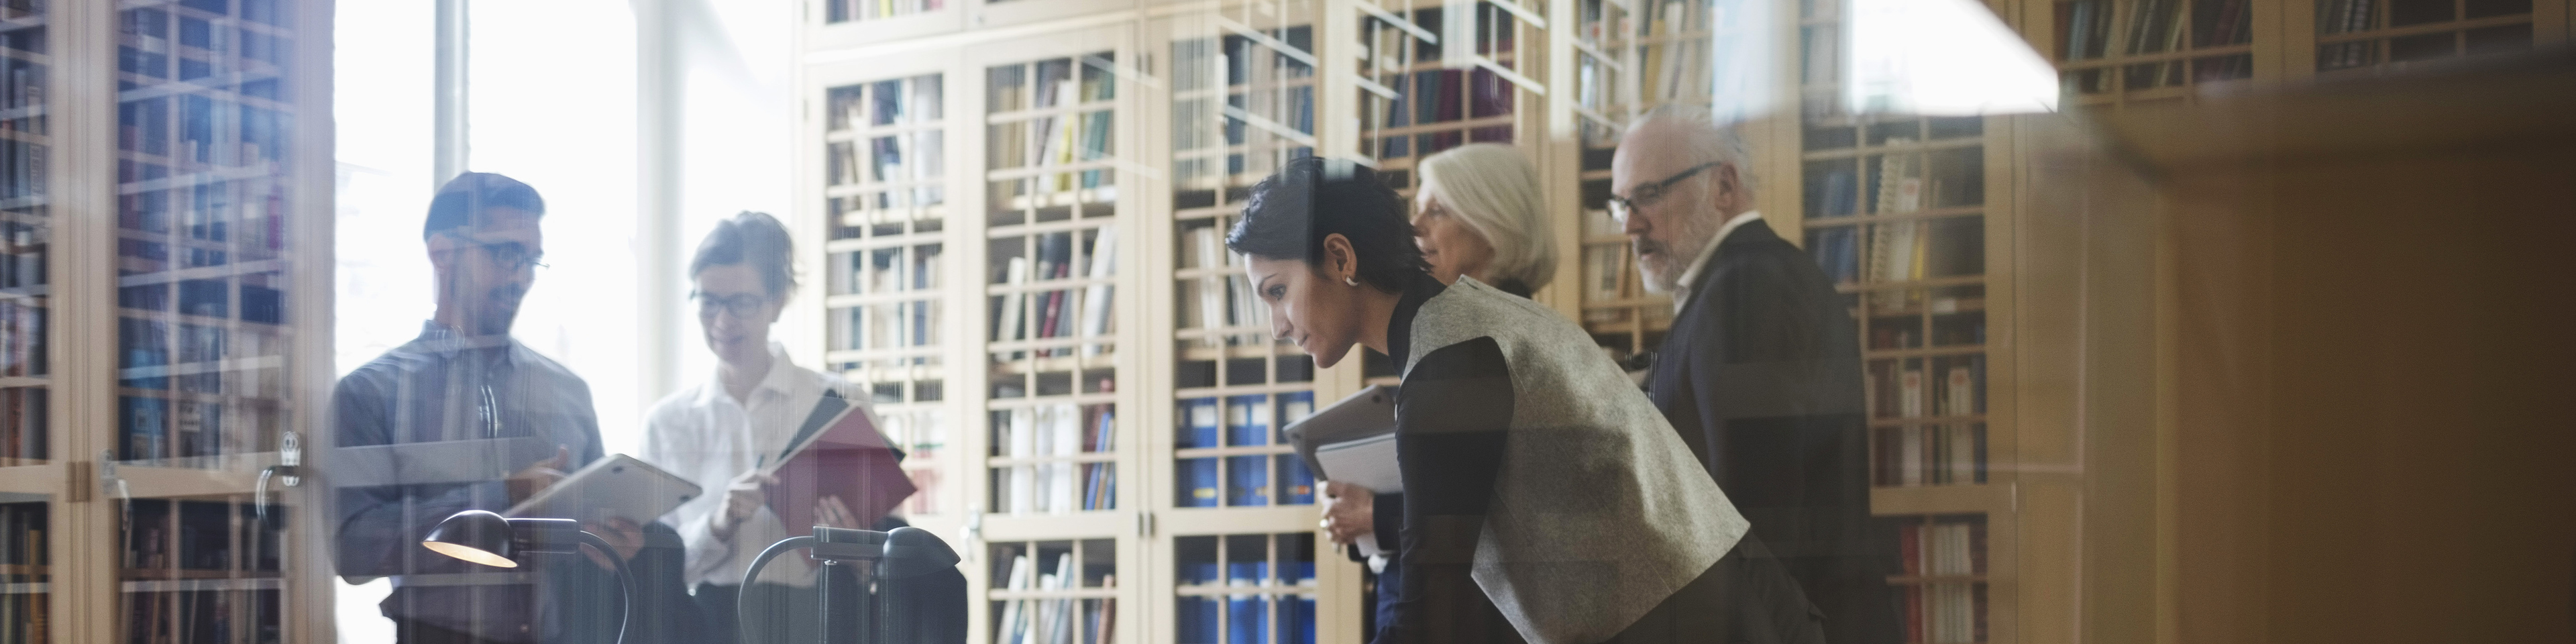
(1451, 419)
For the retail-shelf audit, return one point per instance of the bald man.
(1761, 371)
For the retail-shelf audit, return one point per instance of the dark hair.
(1291, 213)
(460, 203)
(753, 239)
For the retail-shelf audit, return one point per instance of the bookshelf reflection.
(200, 570)
(1054, 592)
(26, 232)
(1245, 588)
(884, 258)
(1051, 261)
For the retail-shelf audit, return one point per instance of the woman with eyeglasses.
(719, 433)
(1546, 499)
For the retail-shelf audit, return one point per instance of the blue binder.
(1198, 423)
(1248, 420)
(1248, 480)
(1246, 617)
(1296, 483)
(1198, 482)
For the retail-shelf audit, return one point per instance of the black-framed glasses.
(742, 305)
(1646, 195)
(508, 256)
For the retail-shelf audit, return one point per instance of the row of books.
(23, 542)
(22, 338)
(849, 10)
(205, 298)
(884, 103)
(1902, 391)
(1053, 621)
(2343, 17)
(1248, 420)
(1262, 613)
(887, 326)
(887, 270)
(1934, 455)
(1021, 316)
(162, 535)
(23, 423)
(200, 616)
(1243, 481)
(1676, 70)
(914, 158)
(1948, 607)
(1214, 302)
(22, 163)
(1058, 431)
(157, 428)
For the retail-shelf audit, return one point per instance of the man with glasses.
(465, 379)
(1761, 371)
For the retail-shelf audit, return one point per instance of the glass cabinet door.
(29, 474)
(211, 377)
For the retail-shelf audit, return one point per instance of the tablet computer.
(617, 486)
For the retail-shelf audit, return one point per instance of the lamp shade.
(478, 536)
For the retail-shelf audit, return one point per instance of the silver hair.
(1708, 139)
(1494, 190)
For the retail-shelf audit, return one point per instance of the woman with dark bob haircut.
(1547, 500)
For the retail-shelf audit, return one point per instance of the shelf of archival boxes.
(1268, 587)
(1082, 108)
(189, 585)
(1963, 498)
(1104, 195)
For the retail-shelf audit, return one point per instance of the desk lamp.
(485, 538)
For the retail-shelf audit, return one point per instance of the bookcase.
(182, 348)
(1021, 215)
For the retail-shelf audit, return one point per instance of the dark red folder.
(838, 452)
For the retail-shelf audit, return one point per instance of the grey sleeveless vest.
(1600, 512)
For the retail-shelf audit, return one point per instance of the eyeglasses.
(1646, 195)
(507, 256)
(742, 306)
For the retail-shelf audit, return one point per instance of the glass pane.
(25, 242)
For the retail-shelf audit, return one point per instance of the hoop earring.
(1353, 281)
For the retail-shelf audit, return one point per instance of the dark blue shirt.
(445, 387)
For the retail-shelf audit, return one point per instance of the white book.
(1211, 288)
(1962, 394)
(1007, 327)
(1910, 394)
(1066, 423)
(1963, 453)
(1910, 455)
(1062, 630)
(1012, 625)
(1043, 626)
(1023, 444)
(1095, 300)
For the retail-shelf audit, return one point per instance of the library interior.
(1848, 321)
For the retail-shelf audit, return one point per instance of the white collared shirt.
(702, 434)
(1682, 289)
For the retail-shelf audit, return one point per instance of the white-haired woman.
(1479, 214)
